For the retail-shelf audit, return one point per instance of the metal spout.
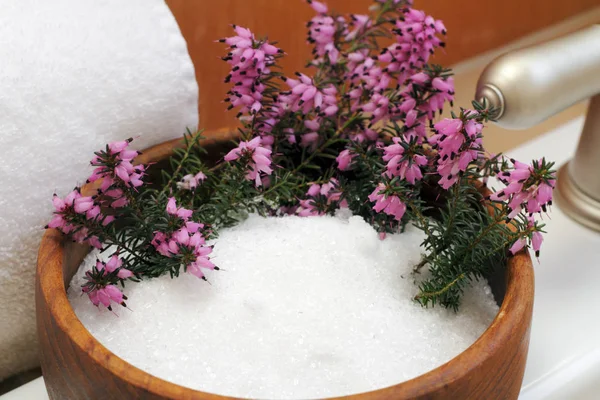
(530, 85)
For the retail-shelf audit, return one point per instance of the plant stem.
(442, 290)
(186, 155)
(115, 242)
(417, 268)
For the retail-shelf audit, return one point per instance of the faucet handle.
(530, 85)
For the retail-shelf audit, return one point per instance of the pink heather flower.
(415, 125)
(67, 209)
(190, 182)
(527, 186)
(344, 159)
(308, 208)
(202, 261)
(180, 212)
(160, 241)
(518, 245)
(379, 107)
(360, 23)
(319, 7)
(320, 198)
(403, 162)
(114, 166)
(304, 96)
(82, 235)
(256, 157)
(458, 144)
(287, 210)
(114, 263)
(193, 244)
(186, 242)
(536, 239)
(416, 39)
(183, 237)
(311, 138)
(536, 242)
(105, 295)
(193, 227)
(250, 60)
(440, 90)
(366, 77)
(75, 214)
(389, 204)
(83, 204)
(321, 32)
(331, 191)
(365, 135)
(61, 207)
(437, 100)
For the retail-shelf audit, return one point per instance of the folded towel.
(74, 75)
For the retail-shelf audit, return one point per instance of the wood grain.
(473, 27)
(77, 366)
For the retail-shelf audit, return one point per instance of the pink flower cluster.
(250, 60)
(423, 96)
(527, 186)
(114, 166)
(75, 214)
(364, 74)
(403, 161)
(364, 135)
(115, 263)
(379, 107)
(535, 237)
(305, 96)
(311, 138)
(255, 156)
(416, 39)
(361, 23)
(78, 215)
(440, 90)
(104, 293)
(321, 32)
(187, 241)
(388, 203)
(458, 143)
(191, 182)
(344, 159)
(319, 198)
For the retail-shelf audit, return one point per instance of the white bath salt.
(303, 308)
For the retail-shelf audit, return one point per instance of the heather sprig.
(359, 128)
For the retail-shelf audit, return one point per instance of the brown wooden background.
(474, 26)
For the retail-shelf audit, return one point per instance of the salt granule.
(303, 308)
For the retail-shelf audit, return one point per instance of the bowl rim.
(515, 309)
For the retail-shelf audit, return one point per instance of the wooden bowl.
(76, 366)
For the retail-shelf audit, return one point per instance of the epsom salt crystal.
(303, 308)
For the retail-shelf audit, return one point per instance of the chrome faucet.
(530, 85)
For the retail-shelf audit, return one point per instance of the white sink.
(564, 352)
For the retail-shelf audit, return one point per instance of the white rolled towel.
(74, 75)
